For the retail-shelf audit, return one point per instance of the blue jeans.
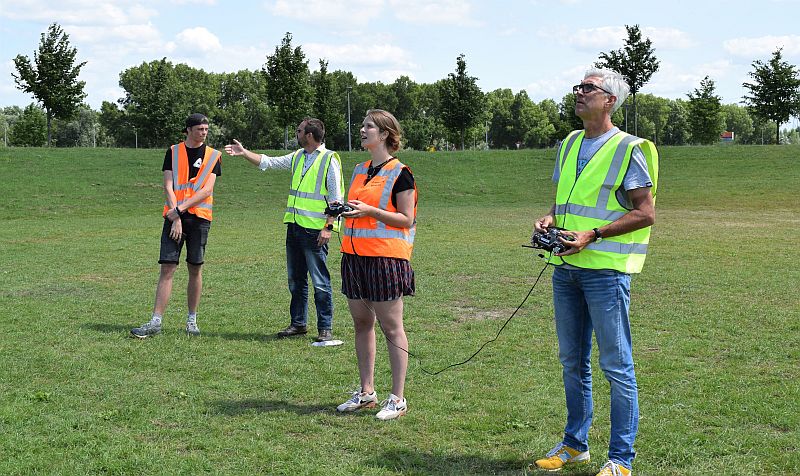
(596, 300)
(304, 257)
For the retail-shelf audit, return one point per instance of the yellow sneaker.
(560, 456)
(613, 469)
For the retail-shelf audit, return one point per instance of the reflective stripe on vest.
(307, 200)
(367, 236)
(597, 204)
(185, 188)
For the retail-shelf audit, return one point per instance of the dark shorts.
(376, 278)
(195, 235)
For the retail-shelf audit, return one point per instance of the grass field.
(716, 325)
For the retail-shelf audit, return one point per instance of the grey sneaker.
(393, 407)
(358, 401)
(192, 329)
(146, 330)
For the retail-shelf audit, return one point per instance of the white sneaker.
(393, 407)
(358, 401)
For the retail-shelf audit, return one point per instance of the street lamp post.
(349, 135)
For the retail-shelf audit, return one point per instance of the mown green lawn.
(716, 325)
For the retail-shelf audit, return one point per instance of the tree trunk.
(635, 117)
(49, 119)
(462, 139)
(778, 134)
(285, 137)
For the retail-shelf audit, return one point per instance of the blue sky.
(538, 45)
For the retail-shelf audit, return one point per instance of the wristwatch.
(329, 226)
(597, 235)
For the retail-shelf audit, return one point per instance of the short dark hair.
(194, 120)
(315, 127)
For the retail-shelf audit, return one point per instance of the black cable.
(419, 360)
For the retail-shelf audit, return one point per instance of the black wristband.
(329, 226)
(597, 234)
(177, 211)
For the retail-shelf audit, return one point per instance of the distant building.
(726, 136)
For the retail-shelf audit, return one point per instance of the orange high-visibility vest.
(184, 187)
(367, 236)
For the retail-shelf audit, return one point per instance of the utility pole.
(349, 135)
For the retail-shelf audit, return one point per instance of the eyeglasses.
(588, 88)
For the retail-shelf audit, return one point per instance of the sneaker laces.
(356, 395)
(557, 449)
(390, 404)
(614, 467)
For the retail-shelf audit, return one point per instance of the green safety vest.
(590, 201)
(307, 195)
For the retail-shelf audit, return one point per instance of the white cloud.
(359, 55)
(557, 85)
(194, 2)
(197, 41)
(763, 46)
(330, 12)
(78, 12)
(606, 38)
(441, 12)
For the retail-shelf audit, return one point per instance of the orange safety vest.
(184, 187)
(367, 236)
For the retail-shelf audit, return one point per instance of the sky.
(541, 46)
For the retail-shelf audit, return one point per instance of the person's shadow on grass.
(125, 329)
(260, 405)
(406, 461)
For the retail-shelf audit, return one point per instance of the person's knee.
(195, 270)
(168, 270)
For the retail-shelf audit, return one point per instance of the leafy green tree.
(424, 129)
(243, 112)
(30, 128)
(705, 113)
(83, 130)
(462, 100)
(151, 103)
(52, 77)
(498, 103)
(530, 125)
(119, 132)
(676, 129)
(738, 121)
(327, 106)
(288, 85)
(404, 90)
(775, 91)
(550, 109)
(654, 113)
(635, 61)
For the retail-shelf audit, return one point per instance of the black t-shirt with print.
(195, 157)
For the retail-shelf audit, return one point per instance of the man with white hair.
(605, 205)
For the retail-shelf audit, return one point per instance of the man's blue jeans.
(304, 257)
(598, 300)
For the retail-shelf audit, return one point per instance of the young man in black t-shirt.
(187, 219)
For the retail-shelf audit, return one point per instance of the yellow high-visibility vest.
(590, 201)
(308, 192)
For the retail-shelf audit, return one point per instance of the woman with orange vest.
(378, 238)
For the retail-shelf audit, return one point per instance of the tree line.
(260, 107)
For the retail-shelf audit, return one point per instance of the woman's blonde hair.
(387, 122)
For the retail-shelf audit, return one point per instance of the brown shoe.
(324, 335)
(292, 331)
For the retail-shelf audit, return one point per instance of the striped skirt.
(376, 278)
